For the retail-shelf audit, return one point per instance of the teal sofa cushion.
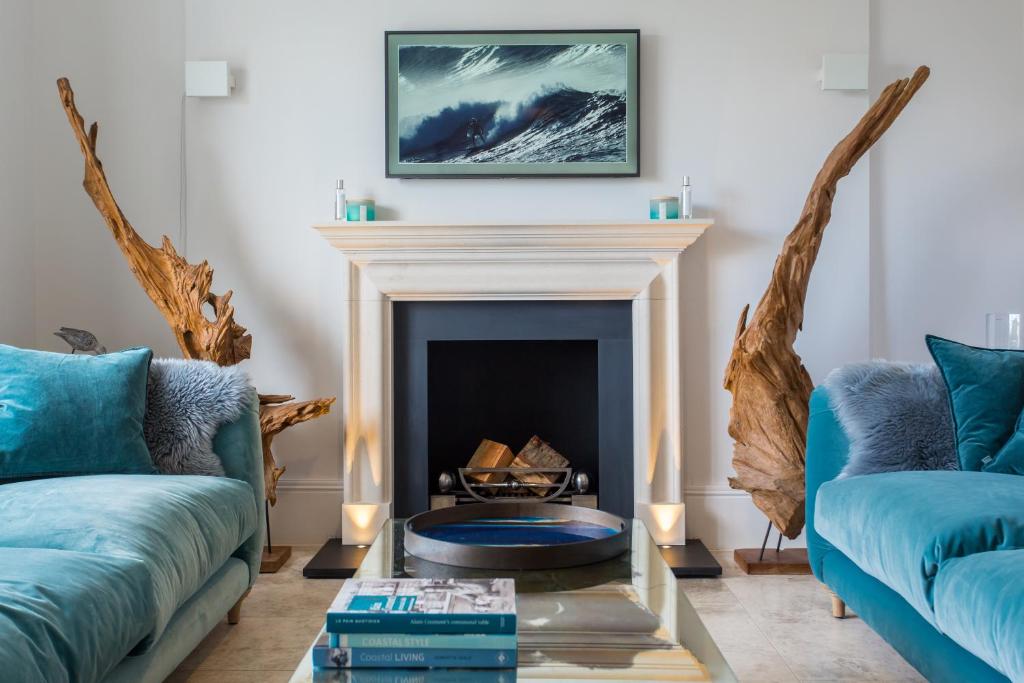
(193, 621)
(69, 616)
(182, 528)
(900, 527)
(986, 395)
(935, 655)
(979, 603)
(63, 414)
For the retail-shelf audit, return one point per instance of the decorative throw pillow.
(986, 395)
(63, 414)
(896, 416)
(189, 400)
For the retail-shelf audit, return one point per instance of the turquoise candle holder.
(664, 208)
(360, 210)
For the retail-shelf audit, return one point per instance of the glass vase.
(1002, 331)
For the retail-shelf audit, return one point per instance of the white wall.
(947, 205)
(729, 97)
(15, 169)
(735, 104)
(124, 60)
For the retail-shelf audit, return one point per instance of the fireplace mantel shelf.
(404, 236)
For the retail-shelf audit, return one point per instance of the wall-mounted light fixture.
(844, 72)
(208, 79)
(360, 522)
(665, 521)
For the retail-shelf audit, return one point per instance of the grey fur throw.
(186, 402)
(896, 416)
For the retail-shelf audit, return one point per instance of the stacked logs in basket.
(537, 453)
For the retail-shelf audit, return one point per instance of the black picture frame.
(394, 168)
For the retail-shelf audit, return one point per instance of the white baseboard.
(713, 492)
(309, 485)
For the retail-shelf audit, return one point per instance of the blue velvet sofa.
(118, 577)
(932, 561)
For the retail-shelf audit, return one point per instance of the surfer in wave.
(474, 131)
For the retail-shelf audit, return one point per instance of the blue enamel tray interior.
(518, 531)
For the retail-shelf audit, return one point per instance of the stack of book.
(420, 623)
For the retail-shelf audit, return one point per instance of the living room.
(591, 296)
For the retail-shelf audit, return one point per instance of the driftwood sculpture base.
(203, 323)
(787, 561)
(272, 560)
(770, 386)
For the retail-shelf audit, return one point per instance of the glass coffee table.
(621, 620)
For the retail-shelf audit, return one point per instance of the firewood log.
(491, 454)
(538, 453)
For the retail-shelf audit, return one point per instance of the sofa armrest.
(239, 446)
(827, 453)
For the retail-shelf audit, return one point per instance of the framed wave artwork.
(512, 103)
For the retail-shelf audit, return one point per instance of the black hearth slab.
(691, 560)
(338, 561)
(335, 561)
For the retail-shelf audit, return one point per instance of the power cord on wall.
(182, 187)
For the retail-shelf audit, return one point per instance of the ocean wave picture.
(550, 101)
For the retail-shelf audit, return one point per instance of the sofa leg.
(235, 613)
(838, 607)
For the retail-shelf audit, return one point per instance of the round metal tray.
(544, 555)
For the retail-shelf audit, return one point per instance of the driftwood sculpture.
(769, 384)
(181, 291)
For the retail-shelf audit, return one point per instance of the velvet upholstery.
(979, 602)
(165, 557)
(937, 656)
(182, 528)
(239, 446)
(191, 623)
(70, 616)
(63, 414)
(986, 394)
(827, 450)
(901, 527)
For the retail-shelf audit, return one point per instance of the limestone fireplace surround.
(390, 261)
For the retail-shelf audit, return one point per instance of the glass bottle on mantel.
(685, 199)
(339, 201)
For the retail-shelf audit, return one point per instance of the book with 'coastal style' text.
(327, 657)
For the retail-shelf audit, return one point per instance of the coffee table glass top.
(624, 619)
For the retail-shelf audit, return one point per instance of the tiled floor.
(780, 628)
(769, 628)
